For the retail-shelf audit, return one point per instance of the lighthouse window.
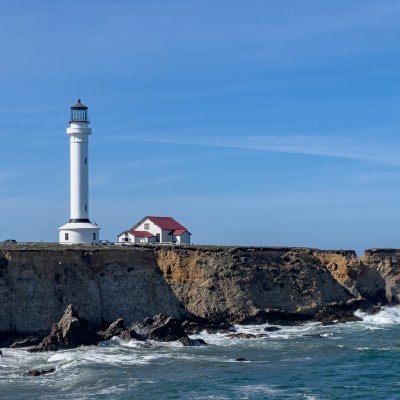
(85, 207)
(85, 160)
(94, 236)
(66, 236)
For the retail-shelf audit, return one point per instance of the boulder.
(197, 324)
(37, 372)
(26, 341)
(272, 328)
(334, 315)
(118, 329)
(70, 332)
(161, 328)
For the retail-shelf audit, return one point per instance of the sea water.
(357, 360)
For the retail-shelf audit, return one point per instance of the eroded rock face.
(241, 284)
(36, 285)
(374, 277)
(382, 283)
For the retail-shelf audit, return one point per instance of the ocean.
(357, 360)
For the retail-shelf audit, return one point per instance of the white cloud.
(372, 150)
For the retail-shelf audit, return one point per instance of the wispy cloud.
(151, 182)
(378, 151)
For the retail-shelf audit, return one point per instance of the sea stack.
(79, 229)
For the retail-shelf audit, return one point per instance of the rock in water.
(162, 329)
(272, 328)
(335, 314)
(27, 341)
(115, 329)
(118, 328)
(166, 329)
(37, 372)
(70, 332)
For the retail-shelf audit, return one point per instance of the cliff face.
(239, 283)
(37, 284)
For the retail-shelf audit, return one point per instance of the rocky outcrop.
(70, 332)
(161, 328)
(118, 329)
(237, 284)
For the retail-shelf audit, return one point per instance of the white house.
(152, 230)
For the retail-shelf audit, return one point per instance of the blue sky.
(250, 122)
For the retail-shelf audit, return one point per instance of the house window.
(146, 226)
(94, 236)
(142, 240)
(158, 238)
(66, 236)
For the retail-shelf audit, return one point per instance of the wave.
(387, 316)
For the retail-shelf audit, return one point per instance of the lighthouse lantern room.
(79, 229)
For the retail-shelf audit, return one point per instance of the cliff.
(240, 284)
(36, 285)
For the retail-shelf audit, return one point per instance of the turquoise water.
(359, 360)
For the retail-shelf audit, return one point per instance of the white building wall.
(79, 170)
(79, 234)
(184, 238)
(136, 239)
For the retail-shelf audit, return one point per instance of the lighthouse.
(79, 229)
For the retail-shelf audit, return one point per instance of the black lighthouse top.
(79, 113)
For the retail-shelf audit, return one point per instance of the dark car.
(105, 243)
(9, 241)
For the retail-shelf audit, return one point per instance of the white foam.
(62, 356)
(385, 317)
(259, 390)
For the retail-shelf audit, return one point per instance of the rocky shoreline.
(167, 293)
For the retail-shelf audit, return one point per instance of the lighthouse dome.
(79, 112)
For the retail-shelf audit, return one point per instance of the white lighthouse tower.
(79, 229)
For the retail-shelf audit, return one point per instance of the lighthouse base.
(79, 232)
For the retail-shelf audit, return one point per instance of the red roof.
(166, 223)
(179, 231)
(141, 233)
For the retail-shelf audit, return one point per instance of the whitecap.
(259, 390)
(386, 316)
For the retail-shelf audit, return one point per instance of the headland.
(238, 284)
